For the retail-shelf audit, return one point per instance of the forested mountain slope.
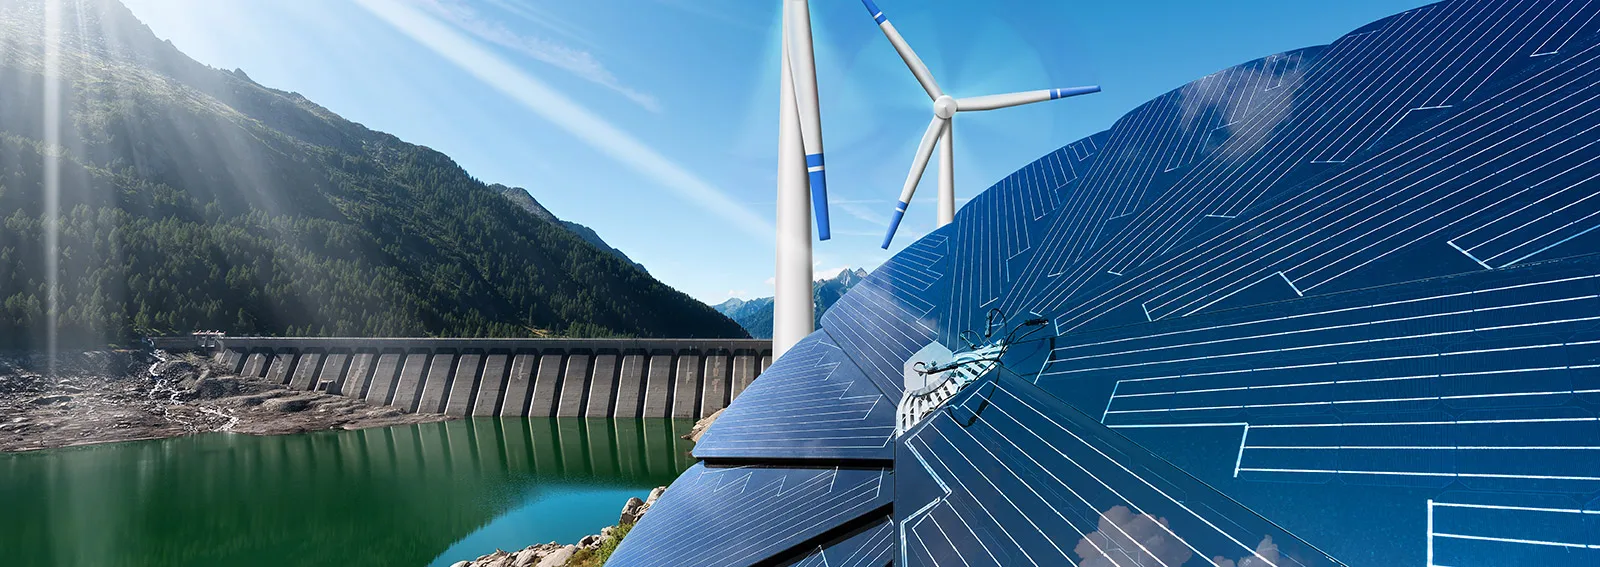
(194, 198)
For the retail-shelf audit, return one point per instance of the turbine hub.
(944, 107)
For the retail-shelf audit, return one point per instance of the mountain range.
(755, 315)
(175, 197)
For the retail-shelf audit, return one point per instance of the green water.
(429, 494)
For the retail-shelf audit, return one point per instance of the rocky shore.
(82, 398)
(591, 551)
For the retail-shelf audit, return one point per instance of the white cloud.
(1125, 539)
(576, 61)
(565, 113)
(738, 293)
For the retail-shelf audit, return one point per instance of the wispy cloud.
(720, 11)
(862, 213)
(563, 112)
(576, 61)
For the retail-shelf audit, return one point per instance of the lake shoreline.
(94, 397)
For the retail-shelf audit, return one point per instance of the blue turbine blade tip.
(873, 9)
(1073, 91)
(819, 195)
(894, 224)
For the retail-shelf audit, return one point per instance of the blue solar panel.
(1483, 385)
(746, 515)
(892, 313)
(813, 403)
(870, 546)
(1029, 481)
(1340, 302)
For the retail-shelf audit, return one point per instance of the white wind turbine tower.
(939, 131)
(800, 167)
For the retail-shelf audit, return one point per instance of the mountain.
(194, 198)
(526, 202)
(755, 315)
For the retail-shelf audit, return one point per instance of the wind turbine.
(800, 166)
(940, 130)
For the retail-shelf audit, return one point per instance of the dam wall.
(603, 378)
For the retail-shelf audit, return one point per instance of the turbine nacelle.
(945, 108)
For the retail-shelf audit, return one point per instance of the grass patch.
(598, 556)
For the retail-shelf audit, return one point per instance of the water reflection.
(394, 496)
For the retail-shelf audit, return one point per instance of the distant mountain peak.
(526, 202)
(755, 315)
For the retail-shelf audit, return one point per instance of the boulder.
(559, 557)
(288, 405)
(631, 511)
(701, 426)
(588, 541)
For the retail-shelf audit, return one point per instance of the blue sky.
(654, 121)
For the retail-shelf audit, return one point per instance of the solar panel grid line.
(1503, 128)
(1430, 356)
(1577, 31)
(872, 548)
(1001, 408)
(1080, 531)
(1032, 430)
(1186, 124)
(1337, 48)
(1290, 333)
(1090, 203)
(954, 478)
(1473, 245)
(805, 406)
(1541, 526)
(763, 532)
(1115, 394)
(1127, 231)
(1452, 35)
(1586, 220)
(1103, 194)
(1507, 51)
(1227, 237)
(1133, 130)
(1460, 204)
(874, 352)
(1214, 357)
(1413, 30)
(1350, 308)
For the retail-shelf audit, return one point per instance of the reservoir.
(425, 495)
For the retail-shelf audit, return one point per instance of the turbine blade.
(992, 102)
(918, 165)
(803, 69)
(900, 46)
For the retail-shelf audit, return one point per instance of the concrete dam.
(603, 378)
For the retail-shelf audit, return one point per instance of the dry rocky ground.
(104, 396)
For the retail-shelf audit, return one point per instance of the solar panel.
(1336, 306)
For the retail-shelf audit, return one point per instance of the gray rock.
(288, 405)
(461, 564)
(654, 495)
(47, 400)
(528, 557)
(631, 511)
(588, 541)
(559, 557)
